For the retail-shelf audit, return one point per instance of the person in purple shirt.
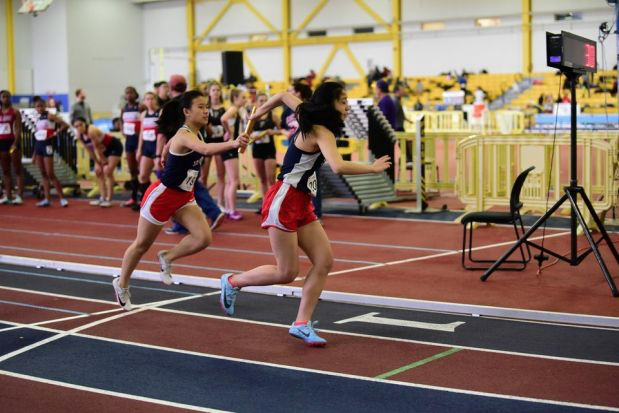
(385, 102)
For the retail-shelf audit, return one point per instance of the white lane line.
(111, 393)
(139, 308)
(58, 320)
(401, 340)
(42, 307)
(50, 294)
(220, 233)
(429, 257)
(115, 259)
(351, 376)
(167, 244)
(285, 326)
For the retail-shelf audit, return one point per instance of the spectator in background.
(400, 117)
(289, 118)
(163, 93)
(419, 88)
(480, 95)
(385, 102)
(178, 85)
(80, 108)
(116, 125)
(53, 106)
(418, 105)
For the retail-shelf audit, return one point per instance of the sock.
(232, 283)
(143, 187)
(300, 323)
(134, 189)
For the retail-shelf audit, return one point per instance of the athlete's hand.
(381, 164)
(242, 141)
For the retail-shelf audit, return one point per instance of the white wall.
(109, 44)
(461, 45)
(106, 53)
(50, 50)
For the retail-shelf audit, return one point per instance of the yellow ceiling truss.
(288, 37)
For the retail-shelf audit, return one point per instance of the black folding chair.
(512, 217)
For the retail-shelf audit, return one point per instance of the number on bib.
(40, 135)
(129, 128)
(312, 184)
(189, 181)
(49, 149)
(5, 128)
(149, 135)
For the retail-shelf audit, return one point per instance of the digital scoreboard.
(567, 51)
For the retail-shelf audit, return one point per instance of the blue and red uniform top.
(149, 126)
(299, 167)
(182, 170)
(131, 119)
(44, 127)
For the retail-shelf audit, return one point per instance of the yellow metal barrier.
(491, 122)
(488, 165)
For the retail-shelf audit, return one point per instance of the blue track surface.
(230, 385)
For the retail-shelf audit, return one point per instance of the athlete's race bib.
(5, 128)
(312, 184)
(129, 128)
(49, 150)
(266, 139)
(149, 135)
(189, 181)
(40, 135)
(218, 131)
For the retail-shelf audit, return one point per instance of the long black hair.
(172, 116)
(320, 109)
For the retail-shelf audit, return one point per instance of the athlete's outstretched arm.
(274, 101)
(326, 142)
(189, 141)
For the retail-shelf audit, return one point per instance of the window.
(432, 26)
(568, 16)
(358, 30)
(488, 22)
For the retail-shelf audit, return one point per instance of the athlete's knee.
(324, 264)
(203, 239)
(288, 274)
(141, 246)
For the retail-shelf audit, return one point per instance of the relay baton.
(249, 128)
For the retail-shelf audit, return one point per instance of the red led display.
(589, 55)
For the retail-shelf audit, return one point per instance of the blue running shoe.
(306, 333)
(228, 294)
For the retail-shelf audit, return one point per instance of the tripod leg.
(524, 238)
(600, 225)
(594, 247)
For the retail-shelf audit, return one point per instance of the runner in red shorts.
(172, 196)
(287, 211)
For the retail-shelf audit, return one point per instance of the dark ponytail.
(172, 116)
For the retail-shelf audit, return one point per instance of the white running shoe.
(64, 203)
(166, 268)
(43, 203)
(123, 296)
(96, 202)
(5, 201)
(105, 204)
(17, 200)
(218, 221)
